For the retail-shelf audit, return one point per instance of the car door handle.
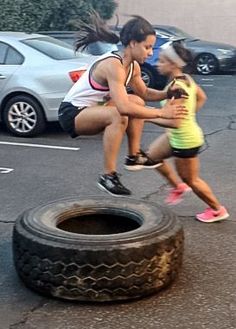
(2, 76)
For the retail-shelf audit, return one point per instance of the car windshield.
(51, 47)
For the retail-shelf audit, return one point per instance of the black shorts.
(66, 116)
(185, 153)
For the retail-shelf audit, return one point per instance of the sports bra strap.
(130, 74)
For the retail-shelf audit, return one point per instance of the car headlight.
(228, 52)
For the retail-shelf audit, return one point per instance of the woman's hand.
(172, 110)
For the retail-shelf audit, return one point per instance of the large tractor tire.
(97, 249)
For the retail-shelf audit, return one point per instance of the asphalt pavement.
(54, 166)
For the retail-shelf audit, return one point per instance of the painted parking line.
(207, 79)
(5, 170)
(206, 85)
(206, 82)
(55, 147)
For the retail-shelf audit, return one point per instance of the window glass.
(13, 57)
(51, 47)
(3, 51)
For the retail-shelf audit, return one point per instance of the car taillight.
(76, 75)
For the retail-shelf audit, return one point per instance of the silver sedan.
(36, 71)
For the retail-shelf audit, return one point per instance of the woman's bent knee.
(117, 118)
(136, 99)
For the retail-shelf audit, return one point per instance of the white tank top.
(84, 93)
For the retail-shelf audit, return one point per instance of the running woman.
(98, 101)
(185, 141)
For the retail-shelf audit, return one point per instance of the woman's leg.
(159, 150)
(137, 159)
(94, 120)
(134, 133)
(134, 129)
(188, 170)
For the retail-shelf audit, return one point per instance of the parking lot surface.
(54, 166)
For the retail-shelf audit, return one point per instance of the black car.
(209, 57)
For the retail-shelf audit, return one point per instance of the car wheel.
(148, 76)
(23, 116)
(97, 249)
(206, 64)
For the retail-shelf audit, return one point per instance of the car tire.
(206, 64)
(148, 76)
(97, 249)
(23, 116)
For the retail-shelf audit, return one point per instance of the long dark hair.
(94, 31)
(136, 29)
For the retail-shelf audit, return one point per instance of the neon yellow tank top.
(189, 134)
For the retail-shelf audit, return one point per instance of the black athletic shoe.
(141, 161)
(111, 184)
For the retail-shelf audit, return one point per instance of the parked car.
(150, 75)
(96, 48)
(36, 71)
(209, 57)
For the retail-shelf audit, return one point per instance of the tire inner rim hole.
(100, 224)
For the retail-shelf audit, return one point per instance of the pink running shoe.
(210, 215)
(176, 194)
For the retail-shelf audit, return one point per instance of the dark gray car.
(209, 57)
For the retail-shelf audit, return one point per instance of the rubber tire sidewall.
(41, 121)
(39, 248)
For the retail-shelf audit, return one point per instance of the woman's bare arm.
(165, 123)
(115, 76)
(140, 89)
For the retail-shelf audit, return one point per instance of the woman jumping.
(98, 101)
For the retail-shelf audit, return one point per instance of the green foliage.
(104, 8)
(36, 15)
